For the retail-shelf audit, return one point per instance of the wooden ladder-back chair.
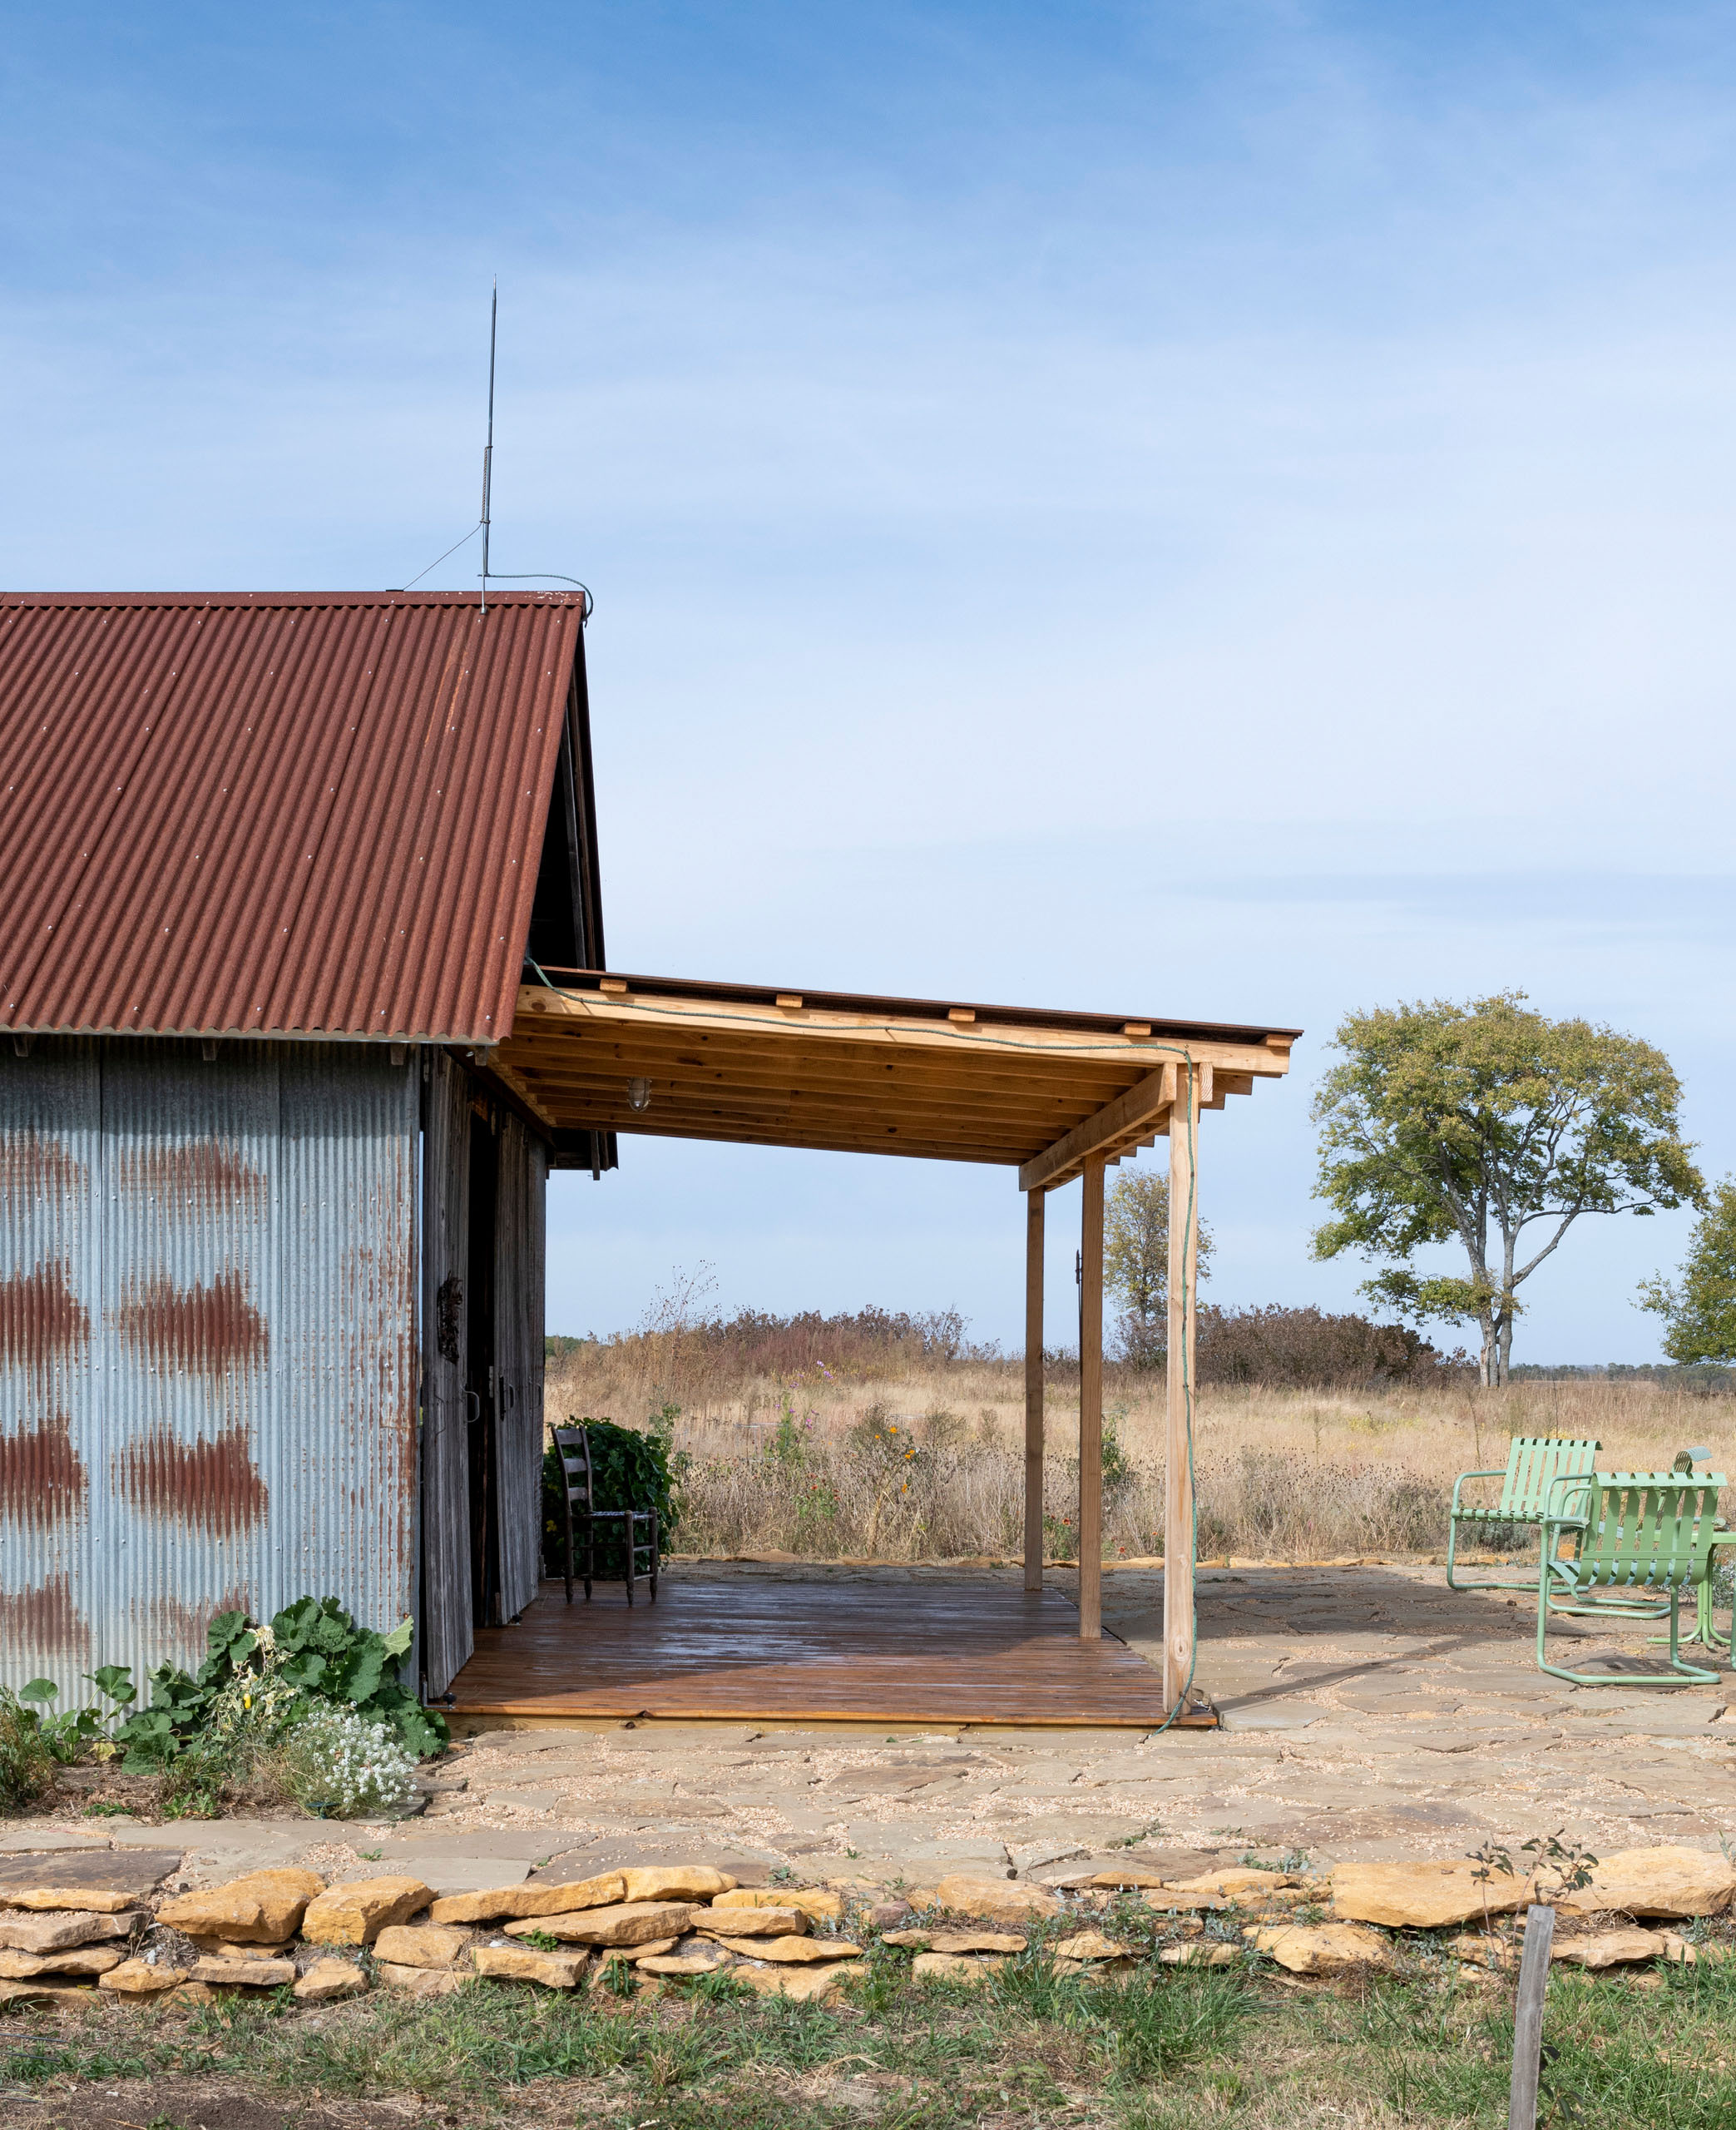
(1534, 1464)
(582, 1516)
(1638, 1539)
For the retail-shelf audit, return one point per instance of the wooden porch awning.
(1043, 1091)
(1051, 1095)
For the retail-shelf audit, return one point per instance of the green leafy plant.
(544, 1941)
(628, 1469)
(313, 1648)
(26, 1765)
(35, 1738)
(69, 1733)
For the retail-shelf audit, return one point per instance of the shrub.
(629, 1469)
(26, 1765)
(1306, 1350)
(312, 1648)
(340, 1766)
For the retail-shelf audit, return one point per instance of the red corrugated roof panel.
(274, 812)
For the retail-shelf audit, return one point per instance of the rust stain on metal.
(183, 1626)
(34, 1168)
(209, 1328)
(211, 1172)
(41, 1318)
(41, 1478)
(214, 1484)
(45, 1620)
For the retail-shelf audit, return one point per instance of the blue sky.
(1217, 509)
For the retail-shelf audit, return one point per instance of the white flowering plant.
(341, 1766)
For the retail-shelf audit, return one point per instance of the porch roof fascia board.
(819, 1007)
(1239, 1051)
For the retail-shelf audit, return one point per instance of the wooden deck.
(807, 1652)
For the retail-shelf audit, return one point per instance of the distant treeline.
(1275, 1347)
(1699, 1378)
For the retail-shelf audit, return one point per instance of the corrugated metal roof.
(313, 814)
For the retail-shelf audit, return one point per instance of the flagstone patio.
(1368, 1712)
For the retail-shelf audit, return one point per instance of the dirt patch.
(211, 2104)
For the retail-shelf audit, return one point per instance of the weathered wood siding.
(447, 1627)
(518, 1359)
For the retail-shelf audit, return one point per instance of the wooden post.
(1540, 1929)
(1033, 1390)
(1179, 1478)
(1090, 1405)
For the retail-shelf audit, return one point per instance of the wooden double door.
(484, 1181)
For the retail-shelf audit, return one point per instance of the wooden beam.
(1083, 1087)
(1090, 1405)
(1036, 1120)
(1034, 1390)
(908, 1146)
(1179, 1477)
(1118, 1124)
(709, 1050)
(1020, 1042)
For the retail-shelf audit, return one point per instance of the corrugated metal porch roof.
(311, 814)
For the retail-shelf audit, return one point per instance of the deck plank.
(809, 1651)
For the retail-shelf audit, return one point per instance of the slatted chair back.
(573, 1446)
(1647, 1530)
(1534, 1464)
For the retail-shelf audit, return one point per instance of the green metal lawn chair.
(1637, 1538)
(1533, 1464)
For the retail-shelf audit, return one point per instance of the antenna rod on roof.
(488, 449)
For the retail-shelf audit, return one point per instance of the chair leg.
(653, 1556)
(1457, 1581)
(567, 1497)
(1695, 1673)
(626, 1532)
(590, 1556)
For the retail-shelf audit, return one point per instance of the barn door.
(518, 1358)
(447, 1617)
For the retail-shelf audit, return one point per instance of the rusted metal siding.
(207, 1342)
(297, 813)
(518, 1347)
(447, 1637)
(54, 1571)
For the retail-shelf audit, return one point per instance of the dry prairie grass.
(926, 1461)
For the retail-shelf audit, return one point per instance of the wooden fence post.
(1539, 1930)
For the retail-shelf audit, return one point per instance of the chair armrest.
(1499, 1473)
(1550, 1508)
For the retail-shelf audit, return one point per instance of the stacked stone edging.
(291, 1928)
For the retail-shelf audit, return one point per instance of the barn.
(271, 1231)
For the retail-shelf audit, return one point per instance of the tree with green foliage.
(1136, 1261)
(1489, 1124)
(1700, 1309)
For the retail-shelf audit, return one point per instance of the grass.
(1173, 2050)
(926, 1461)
